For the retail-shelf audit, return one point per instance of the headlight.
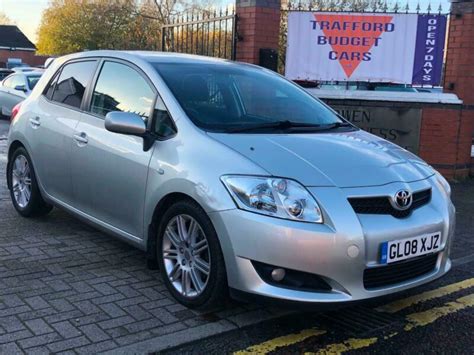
(274, 197)
(444, 183)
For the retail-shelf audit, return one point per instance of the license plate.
(397, 250)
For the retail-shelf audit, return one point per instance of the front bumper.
(328, 250)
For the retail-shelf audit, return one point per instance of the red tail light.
(15, 111)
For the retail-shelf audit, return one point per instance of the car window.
(121, 88)
(163, 125)
(4, 74)
(48, 92)
(32, 81)
(222, 98)
(72, 83)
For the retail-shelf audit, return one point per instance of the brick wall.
(459, 76)
(445, 140)
(28, 57)
(258, 26)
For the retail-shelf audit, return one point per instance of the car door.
(52, 123)
(109, 170)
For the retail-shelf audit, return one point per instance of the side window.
(121, 88)
(72, 83)
(48, 92)
(163, 125)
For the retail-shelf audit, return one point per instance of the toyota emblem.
(403, 200)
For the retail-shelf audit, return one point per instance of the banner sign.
(376, 47)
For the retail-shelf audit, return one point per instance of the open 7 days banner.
(398, 48)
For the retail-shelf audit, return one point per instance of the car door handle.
(35, 122)
(81, 138)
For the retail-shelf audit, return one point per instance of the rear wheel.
(24, 190)
(190, 258)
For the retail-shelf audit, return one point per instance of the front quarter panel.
(192, 163)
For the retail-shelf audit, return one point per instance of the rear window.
(72, 82)
(32, 81)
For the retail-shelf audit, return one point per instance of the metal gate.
(212, 34)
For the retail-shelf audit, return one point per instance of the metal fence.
(212, 34)
(377, 6)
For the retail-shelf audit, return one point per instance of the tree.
(75, 25)
(5, 20)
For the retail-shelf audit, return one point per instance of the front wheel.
(190, 257)
(24, 191)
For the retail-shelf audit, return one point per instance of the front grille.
(399, 272)
(382, 205)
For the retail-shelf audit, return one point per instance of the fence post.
(258, 27)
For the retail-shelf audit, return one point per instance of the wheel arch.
(11, 149)
(160, 208)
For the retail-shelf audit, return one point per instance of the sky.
(27, 13)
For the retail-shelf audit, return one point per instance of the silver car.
(15, 88)
(230, 177)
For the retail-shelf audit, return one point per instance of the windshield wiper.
(336, 125)
(290, 125)
(274, 125)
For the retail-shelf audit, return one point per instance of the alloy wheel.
(21, 181)
(186, 255)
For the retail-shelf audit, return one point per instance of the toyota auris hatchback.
(230, 177)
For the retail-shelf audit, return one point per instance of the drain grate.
(357, 320)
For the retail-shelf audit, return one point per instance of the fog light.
(278, 274)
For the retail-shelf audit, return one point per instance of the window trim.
(149, 122)
(58, 74)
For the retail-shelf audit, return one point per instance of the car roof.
(155, 57)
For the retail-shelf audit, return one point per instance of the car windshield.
(33, 80)
(229, 98)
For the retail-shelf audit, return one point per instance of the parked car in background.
(4, 73)
(25, 69)
(229, 176)
(15, 88)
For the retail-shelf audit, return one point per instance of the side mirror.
(21, 88)
(125, 123)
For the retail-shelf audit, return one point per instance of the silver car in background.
(15, 88)
(230, 177)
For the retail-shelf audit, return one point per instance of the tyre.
(24, 190)
(190, 258)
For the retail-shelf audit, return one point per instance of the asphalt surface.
(67, 288)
